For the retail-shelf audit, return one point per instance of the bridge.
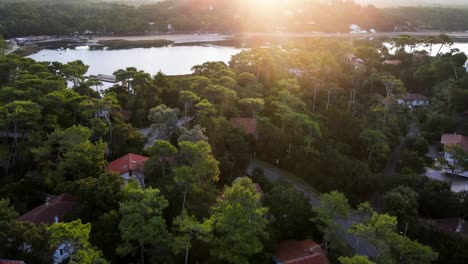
(103, 78)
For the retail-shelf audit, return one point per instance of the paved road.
(277, 175)
(153, 135)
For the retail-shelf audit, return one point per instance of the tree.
(7, 214)
(332, 205)
(159, 153)
(163, 120)
(142, 223)
(251, 106)
(376, 142)
(20, 234)
(221, 96)
(74, 236)
(72, 154)
(22, 117)
(74, 71)
(189, 228)
(195, 134)
(96, 195)
(457, 160)
(199, 171)
(381, 231)
(188, 98)
(235, 243)
(355, 260)
(205, 109)
(392, 85)
(402, 202)
(291, 212)
(3, 45)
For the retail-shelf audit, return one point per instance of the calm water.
(170, 60)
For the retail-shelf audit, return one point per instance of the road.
(153, 136)
(275, 174)
(11, 49)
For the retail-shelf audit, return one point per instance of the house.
(54, 210)
(248, 125)
(130, 166)
(354, 61)
(453, 226)
(414, 100)
(299, 252)
(392, 62)
(454, 139)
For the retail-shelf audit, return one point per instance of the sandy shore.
(177, 38)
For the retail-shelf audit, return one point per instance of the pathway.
(275, 174)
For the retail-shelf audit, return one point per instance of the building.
(54, 210)
(414, 100)
(354, 61)
(454, 139)
(248, 125)
(299, 252)
(130, 166)
(451, 226)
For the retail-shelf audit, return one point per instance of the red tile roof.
(455, 226)
(58, 206)
(455, 139)
(299, 252)
(392, 62)
(249, 125)
(7, 261)
(411, 97)
(129, 162)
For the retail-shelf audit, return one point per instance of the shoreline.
(194, 38)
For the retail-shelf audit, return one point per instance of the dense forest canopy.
(21, 18)
(320, 114)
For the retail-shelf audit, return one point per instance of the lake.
(175, 60)
(463, 47)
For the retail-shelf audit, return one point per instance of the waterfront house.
(130, 166)
(299, 252)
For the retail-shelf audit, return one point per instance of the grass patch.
(127, 44)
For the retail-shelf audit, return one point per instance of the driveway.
(275, 175)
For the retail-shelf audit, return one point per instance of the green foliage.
(71, 154)
(238, 223)
(403, 203)
(142, 225)
(75, 236)
(291, 212)
(163, 120)
(355, 260)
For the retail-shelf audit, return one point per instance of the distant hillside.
(432, 3)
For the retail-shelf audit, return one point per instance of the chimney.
(47, 200)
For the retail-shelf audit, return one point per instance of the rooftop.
(57, 207)
(7, 261)
(299, 252)
(129, 162)
(455, 139)
(413, 97)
